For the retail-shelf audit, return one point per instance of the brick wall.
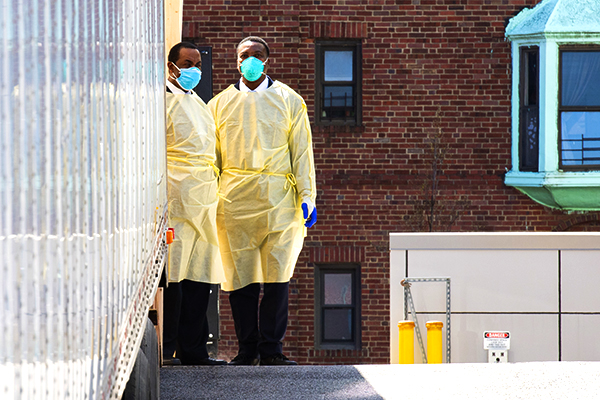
(436, 80)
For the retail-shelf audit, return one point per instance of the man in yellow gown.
(268, 186)
(194, 257)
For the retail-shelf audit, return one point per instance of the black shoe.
(205, 361)
(244, 359)
(171, 361)
(277, 359)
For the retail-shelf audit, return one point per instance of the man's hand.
(312, 219)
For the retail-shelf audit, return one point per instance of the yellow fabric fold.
(193, 186)
(265, 147)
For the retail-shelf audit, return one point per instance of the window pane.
(338, 65)
(337, 96)
(580, 138)
(337, 325)
(338, 288)
(529, 139)
(529, 113)
(581, 78)
(532, 79)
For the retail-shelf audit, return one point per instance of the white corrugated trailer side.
(82, 192)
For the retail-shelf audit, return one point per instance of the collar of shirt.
(175, 89)
(263, 85)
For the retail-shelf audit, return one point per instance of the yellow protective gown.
(192, 190)
(267, 170)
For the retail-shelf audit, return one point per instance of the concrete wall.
(542, 287)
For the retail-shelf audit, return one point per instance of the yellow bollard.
(434, 342)
(406, 342)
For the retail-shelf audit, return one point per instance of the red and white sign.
(496, 340)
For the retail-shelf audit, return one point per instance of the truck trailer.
(83, 197)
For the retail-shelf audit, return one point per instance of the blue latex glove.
(310, 221)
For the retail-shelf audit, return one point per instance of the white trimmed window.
(556, 104)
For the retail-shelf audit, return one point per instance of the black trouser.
(185, 323)
(260, 335)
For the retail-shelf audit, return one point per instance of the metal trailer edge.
(83, 204)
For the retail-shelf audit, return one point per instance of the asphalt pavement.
(536, 380)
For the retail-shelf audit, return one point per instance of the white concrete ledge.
(495, 241)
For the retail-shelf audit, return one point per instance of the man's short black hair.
(174, 52)
(255, 39)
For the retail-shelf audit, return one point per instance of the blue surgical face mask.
(189, 77)
(252, 68)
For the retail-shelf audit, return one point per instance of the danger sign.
(496, 340)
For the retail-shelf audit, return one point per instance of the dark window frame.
(561, 108)
(529, 137)
(338, 268)
(344, 45)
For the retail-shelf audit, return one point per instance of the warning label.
(496, 340)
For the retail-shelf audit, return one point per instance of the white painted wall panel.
(504, 281)
(398, 260)
(534, 337)
(580, 337)
(580, 281)
(486, 280)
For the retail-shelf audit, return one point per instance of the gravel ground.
(541, 380)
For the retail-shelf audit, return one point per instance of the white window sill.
(574, 191)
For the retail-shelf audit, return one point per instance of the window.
(337, 310)
(555, 119)
(579, 109)
(338, 83)
(529, 110)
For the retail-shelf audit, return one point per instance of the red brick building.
(411, 109)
